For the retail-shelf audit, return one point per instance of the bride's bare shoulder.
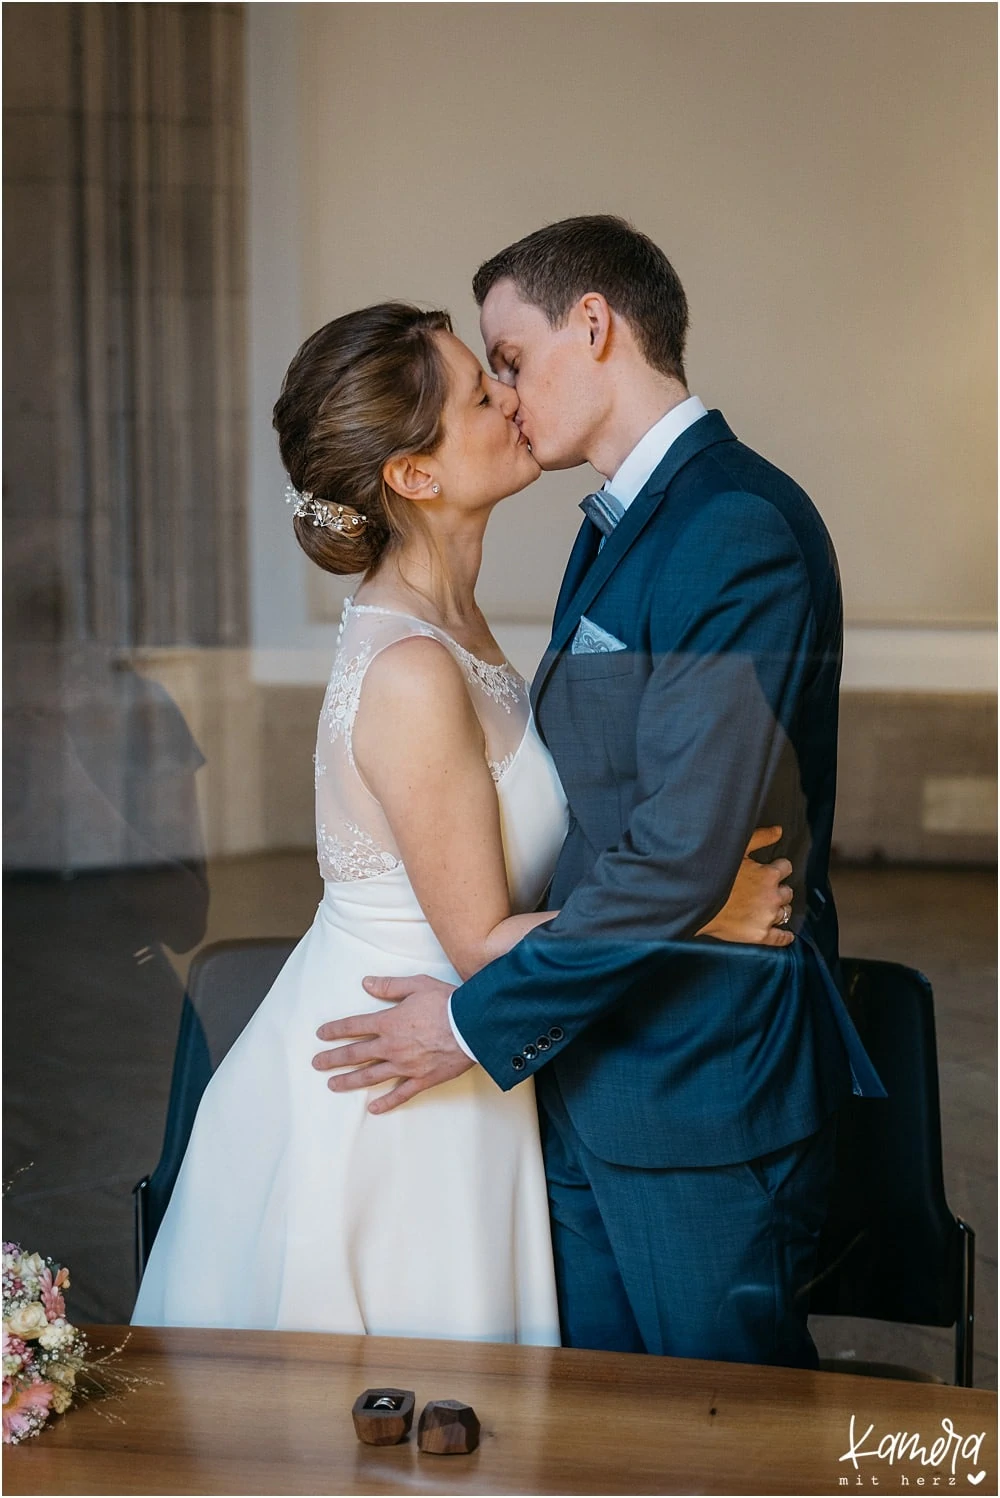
(413, 685)
(413, 667)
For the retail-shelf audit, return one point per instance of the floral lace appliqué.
(361, 858)
(499, 767)
(501, 683)
(343, 696)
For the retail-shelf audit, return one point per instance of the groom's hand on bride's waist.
(412, 1042)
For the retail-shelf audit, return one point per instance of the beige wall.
(916, 779)
(822, 177)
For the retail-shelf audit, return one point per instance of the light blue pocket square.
(591, 639)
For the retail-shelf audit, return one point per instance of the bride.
(439, 817)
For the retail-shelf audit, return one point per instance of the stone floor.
(88, 1062)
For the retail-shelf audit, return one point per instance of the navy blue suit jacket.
(719, 717)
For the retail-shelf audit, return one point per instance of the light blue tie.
(603, 509)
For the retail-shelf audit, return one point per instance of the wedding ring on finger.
(786, 915)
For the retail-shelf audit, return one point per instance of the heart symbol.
(977, 1479)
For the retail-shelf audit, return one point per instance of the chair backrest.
(226, 983)
(891, 1248)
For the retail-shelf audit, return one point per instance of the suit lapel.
(587, 581)
(581, 559)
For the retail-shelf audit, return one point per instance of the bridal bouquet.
(42, 1351)
(46, 1361)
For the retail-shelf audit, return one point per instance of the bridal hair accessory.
(329, 517)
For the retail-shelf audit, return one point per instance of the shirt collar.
(650, 450)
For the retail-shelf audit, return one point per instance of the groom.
(686, 1087)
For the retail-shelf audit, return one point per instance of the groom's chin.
(550, 459)
(555, 464)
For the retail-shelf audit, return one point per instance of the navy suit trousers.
(705, 1262)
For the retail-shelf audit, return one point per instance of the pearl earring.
(435, 488)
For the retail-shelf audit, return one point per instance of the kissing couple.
(576, 957)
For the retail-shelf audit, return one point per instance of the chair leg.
(139, 1194)
(965, 1325)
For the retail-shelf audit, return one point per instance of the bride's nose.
(505, 396)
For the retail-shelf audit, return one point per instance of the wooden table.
(270, 1412)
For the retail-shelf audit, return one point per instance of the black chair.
(226, 983)
(892, 1250)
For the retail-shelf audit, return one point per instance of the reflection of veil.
(104, 867)
(144, 792)
(99, 766)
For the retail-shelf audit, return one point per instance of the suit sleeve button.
(530, 1052)
(517, 1062)
(543, 1043)
(557, 1032)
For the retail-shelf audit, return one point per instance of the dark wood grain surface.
(270, 1412)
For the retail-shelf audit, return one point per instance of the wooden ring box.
(448, 1428)
(383, 1417)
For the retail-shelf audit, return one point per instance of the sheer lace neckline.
(377, 608)
(354, 838)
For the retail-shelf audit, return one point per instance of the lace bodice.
(353, 838)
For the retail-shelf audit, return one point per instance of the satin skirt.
(297, 1209)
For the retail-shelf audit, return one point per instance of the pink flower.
(26, 1411)
(13, 1346)
(51, 1298)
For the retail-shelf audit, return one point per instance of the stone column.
(124, 455)
(124, 176)
(125, 537)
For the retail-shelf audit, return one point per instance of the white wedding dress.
(295, 1208)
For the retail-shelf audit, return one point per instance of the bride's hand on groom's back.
(760, 902)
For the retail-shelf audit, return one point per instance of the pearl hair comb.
(329, 517)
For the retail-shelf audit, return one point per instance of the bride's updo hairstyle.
(365, 388)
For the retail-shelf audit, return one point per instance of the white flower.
(29, 1270)
(57, 1334)
(27, 1321)
(11, 1364)
(61, 1373)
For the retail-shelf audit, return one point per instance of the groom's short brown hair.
(557, 265)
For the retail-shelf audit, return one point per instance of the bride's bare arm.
(419, 745)
(420, 748)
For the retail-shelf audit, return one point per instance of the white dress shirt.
(650, 451)
(626, 484)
